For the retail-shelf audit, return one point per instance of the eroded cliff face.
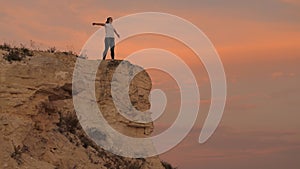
(38, 124)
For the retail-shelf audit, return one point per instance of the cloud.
(231, 147)
(277, 75)
(245, 102)
(291, 2)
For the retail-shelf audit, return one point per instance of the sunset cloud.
(231, 145)
(277, 75)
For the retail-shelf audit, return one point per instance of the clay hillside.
(38, 124)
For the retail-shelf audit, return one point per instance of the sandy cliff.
(38, 124)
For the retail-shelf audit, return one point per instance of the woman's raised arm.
(101, 24)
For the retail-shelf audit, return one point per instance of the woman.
(109, 41)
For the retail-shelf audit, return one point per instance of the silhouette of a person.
(109, 41)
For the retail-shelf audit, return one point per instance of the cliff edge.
(38, 124)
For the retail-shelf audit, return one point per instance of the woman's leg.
(106, 42)
(112, 52)
(112, 48)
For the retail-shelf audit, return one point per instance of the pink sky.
(258, 43)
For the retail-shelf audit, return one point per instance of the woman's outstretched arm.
(101, 24)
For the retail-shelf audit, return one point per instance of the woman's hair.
(107, 20)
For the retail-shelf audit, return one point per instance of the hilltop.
(38, 124)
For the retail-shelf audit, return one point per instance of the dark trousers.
(109, 43)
